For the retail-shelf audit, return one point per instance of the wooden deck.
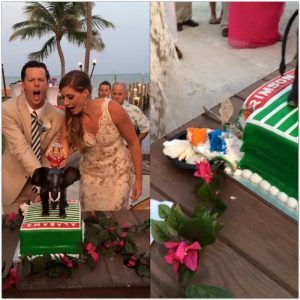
(256, 253)
(110, 279)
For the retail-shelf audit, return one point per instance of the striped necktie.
(35, 136)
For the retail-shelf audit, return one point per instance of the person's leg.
(224, 19)
(213, 15)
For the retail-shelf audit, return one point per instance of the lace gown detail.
(106, 168)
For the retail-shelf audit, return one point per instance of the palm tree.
(59, 19)
(88, 6)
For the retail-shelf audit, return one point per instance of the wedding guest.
(138, 119)
(98, 128)
(104, 89)
(254, 24)
(29, 125)
(224, 19)
(213, 14)
(184, 15)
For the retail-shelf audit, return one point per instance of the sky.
(126, 47)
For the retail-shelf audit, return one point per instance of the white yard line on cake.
(274, 111)
(286, 117)
(288, 131)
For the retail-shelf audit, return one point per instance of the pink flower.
(121, 243)
(132, 261)
(182, 253)
(67, 261)
(11, 217)
(111, 229)
(123, 234)
(12, 279)
(204, 171)
(91, 250)
(125, 226)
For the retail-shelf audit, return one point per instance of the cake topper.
(55, 155)
(226, 111)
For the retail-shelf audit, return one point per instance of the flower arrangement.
(103, 236)
(186, 237)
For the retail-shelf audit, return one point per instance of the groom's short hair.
(34, 64)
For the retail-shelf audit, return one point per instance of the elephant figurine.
(53, 183)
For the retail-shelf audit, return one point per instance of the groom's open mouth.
(36, 93)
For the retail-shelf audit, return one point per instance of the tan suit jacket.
(19, 161)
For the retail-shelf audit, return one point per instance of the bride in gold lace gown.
(98, 128)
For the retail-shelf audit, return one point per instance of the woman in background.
(96, 128)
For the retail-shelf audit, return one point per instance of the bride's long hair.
(79, 81)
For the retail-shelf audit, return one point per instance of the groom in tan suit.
(19, 159)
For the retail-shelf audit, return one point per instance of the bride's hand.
(136, 190)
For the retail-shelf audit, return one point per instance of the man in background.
(138, 119)
(104, 89)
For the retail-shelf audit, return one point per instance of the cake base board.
(17, 259)
(292, 213)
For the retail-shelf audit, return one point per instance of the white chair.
(15, 89)
(52, 93)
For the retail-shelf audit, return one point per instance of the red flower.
(121, 243)
(114, 243)
(67, 261)
(204, 171)
(132, 261)
(123, 234)
(91, 250)
(11, 217)
(182, 253)
(125, 226)
(11, 280)
(111, 229)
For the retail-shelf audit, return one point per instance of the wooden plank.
(276, 73)
(220, 266)
(244, 93)
(120, 274)
(116, 292)
(262, 234)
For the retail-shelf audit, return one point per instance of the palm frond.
(38, 12)
(29, 32)
(46, 50)
(79, 38)
(98, 23)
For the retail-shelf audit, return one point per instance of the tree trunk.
(89, 36)
(61, 57)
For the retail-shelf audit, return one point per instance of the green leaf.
(26, 266)
(54, 272)
(202, 228)
(164, 211)
(185, 276)
(143, 271)
(38, 264)
(102, 236)
(159, 231)
(176, 217)
(130, 247)
(206, 291)
(90, 263)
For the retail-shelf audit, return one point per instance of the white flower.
(24, 208)
(46, 125)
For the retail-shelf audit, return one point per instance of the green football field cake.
(53, 235)
(270, 139)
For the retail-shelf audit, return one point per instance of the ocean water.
(97, 79)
